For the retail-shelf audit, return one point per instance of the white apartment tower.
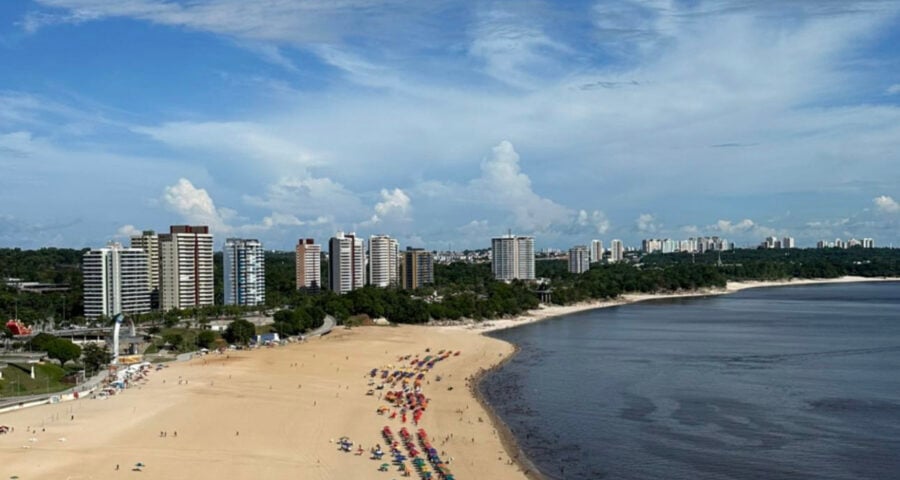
(186, 267)
(579, 260)
(347, 263)
(596, 251)
(244, 272)
(309, 264)
(148, 241)
(512, 257)
(115, 281)
(384, 261)
(616, 251)
(788, 242)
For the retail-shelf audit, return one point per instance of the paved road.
(326, 328)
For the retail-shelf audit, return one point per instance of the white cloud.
(646, 223)
(194, 205)
(726, 226)
(394, 204)
(893, 89)
(596, 219)
(127, 231)
(503, 185)
(886, 204)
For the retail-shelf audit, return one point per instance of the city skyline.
(468, 120)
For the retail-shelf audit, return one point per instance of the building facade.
(346, 263)
(148, 241)
(186, 267)
(308, 264)
(384, 261)
(596, 251)
(512, 258)
(115, 281)
(616, 251)
(244, 272)
(579, 259)
(416, 268)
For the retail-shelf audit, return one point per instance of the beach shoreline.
(508, 439)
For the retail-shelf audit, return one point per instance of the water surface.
(777, 383)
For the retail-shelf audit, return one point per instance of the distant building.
(512, 257)
(186, 267)
(115, 281)
(579, 259)
(308, 264)
(596, 251)
(244, 272)
(384, 261)
(416, 268)
(346, 263)
(616, 251)
(868, 243)
(148, 241)
(788, 242)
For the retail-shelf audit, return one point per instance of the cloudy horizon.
(445, 123)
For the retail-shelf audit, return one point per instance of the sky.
(444, 123)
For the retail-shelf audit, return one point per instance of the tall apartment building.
(148, 241)
(596, 251)
(788, 242)
(308, 264)
(512, 257)
(616, 251)
(115, 281)
(579, 260)
(346, 263)
(868, 243)
(416, 268)
(186, 267)
(244, 272)
(384, 261)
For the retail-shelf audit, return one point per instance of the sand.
(275, 412)
(254, 415)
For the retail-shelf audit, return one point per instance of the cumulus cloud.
(194, 205)
(728, 227)
(886, 204)
(893, 89)
(127, 231)
(596, 219)
(394, 203)
(646, 223)
(502, 184)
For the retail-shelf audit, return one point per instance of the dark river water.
(773, 383)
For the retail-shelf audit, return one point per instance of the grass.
(17, 380)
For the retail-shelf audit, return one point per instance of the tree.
(239, 331)
(62, 350)
(206, 339)
(174, 339)
(41, 341)
(95, 357)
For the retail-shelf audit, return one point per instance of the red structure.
(18, 328)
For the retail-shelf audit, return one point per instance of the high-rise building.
(616, 251)
(309, 264)
(512, 257)
(384, 261)
(244, 272)
(148, 241)
(416, 268)
(579, 260)
(596, 251)
(115, 281)
(346, 263)
(186, 267)
(788, 242)
(868, 243)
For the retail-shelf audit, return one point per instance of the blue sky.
(445, 123)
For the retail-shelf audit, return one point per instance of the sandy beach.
(277, 412)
